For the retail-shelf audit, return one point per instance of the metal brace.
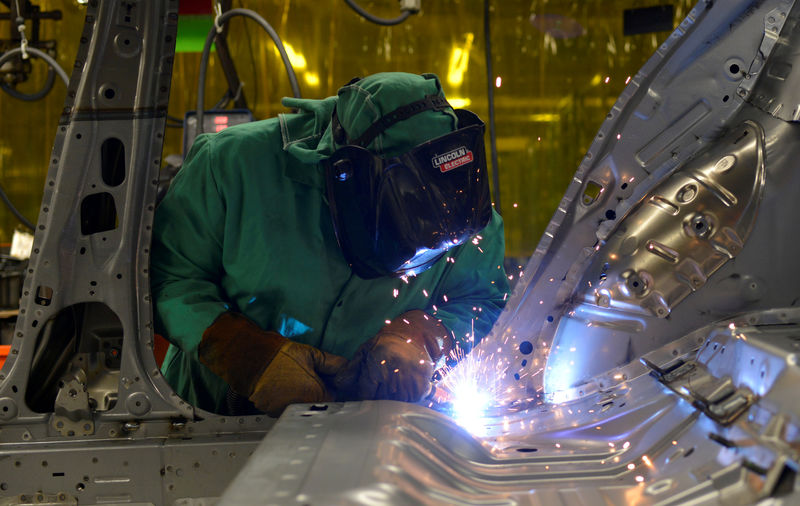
(773, 24)
(72, 415)
(718, 398)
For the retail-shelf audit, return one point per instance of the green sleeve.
(186, 261)
(474, 288)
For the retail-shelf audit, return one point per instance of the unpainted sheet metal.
(650, 439)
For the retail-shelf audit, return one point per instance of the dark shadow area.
(83, 340)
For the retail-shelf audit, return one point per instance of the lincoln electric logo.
(452, 159)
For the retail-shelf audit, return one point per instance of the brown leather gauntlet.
(398, 362)
(269, 369)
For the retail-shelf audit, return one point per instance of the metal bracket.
(773, 24)
(718, 398)
(72, 415)
(413, 6)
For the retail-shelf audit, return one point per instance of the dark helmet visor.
(398, 216)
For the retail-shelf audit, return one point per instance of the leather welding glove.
(269, 369)
(398, 362)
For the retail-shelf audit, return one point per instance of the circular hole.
(624, 185)
(127, 42)
(725, 98)
(636, 284)
(80, 487)
(734, 68)
(550, 319)
(83, 251)
(109, 93)
(14, 388)
(78, 136)
(611, 214)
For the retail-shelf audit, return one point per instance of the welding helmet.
(397, 214)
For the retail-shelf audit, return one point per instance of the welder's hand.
(271, 370)
(398, 362)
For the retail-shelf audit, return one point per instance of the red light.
(220, 120)
(217, 128)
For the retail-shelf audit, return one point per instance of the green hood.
(358, 105)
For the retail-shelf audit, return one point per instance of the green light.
(192, 33)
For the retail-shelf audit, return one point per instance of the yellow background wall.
(559, 73)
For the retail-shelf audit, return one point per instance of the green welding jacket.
(246, 227)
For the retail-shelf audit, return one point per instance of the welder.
(334, 253)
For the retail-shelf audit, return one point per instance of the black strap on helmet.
(430, 102)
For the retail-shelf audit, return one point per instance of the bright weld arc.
(472, 390)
